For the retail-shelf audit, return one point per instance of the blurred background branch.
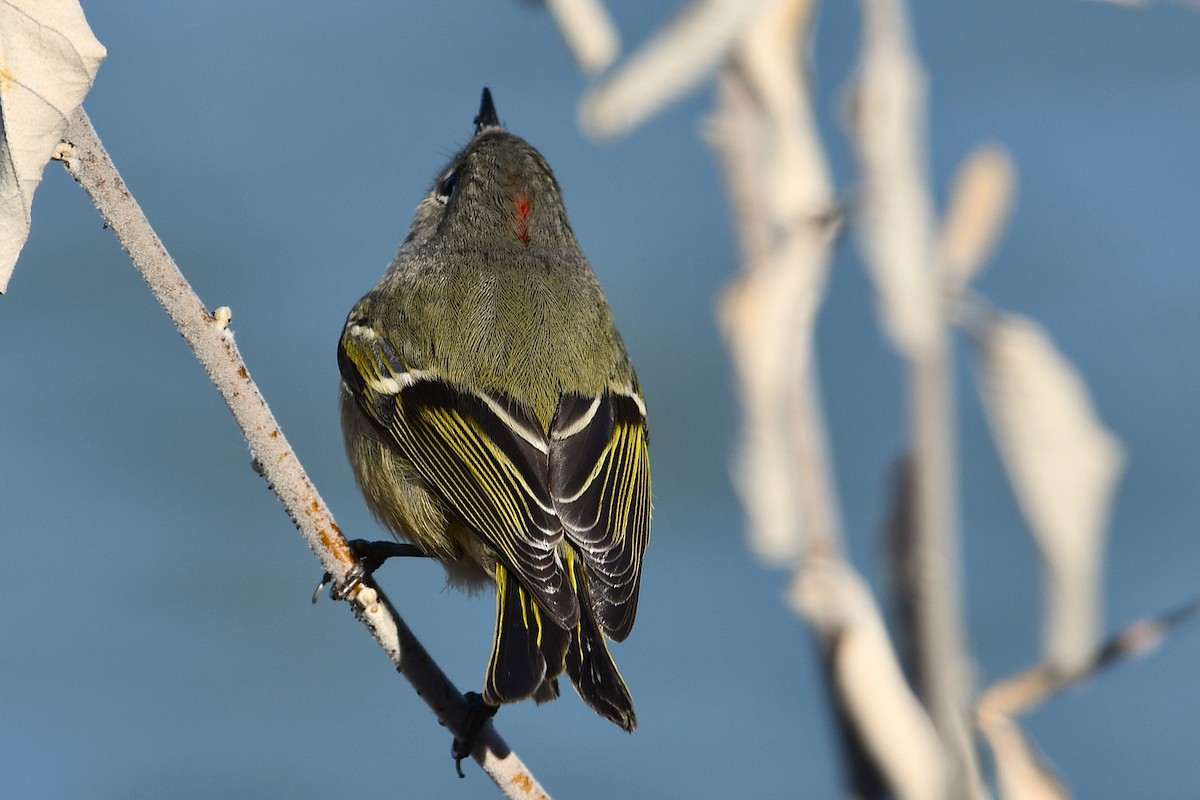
(787, 217)
(1062, 463)
(896, 222)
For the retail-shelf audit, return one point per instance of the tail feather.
(546, 692)
(529, 649)
(590, 665)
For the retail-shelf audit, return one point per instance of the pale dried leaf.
(588, 31)
(1021, 772)
(763, 133)
(671, 64)
(738, 133)
(895, 209)
(48, 59)
(890, 721)
(767, 317)
(1063, 464)
(980, 202)
(795, 182)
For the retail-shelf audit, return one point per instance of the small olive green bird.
(494, 421)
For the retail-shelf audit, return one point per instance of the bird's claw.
(325, 579)
(478, 714)
(369, 556)
(340, 591)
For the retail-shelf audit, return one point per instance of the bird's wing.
(600, 482)
(484, 455)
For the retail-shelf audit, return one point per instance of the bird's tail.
(590, 665)
(530, 648)
(531, 651)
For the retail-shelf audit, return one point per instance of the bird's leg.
(478, 714)
(370, 557)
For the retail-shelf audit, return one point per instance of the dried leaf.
(767, 317)
(763, 133)
(48, 59)
(671, 64)
(895, 208)
(796, 184)
(1021, 772)
(1063, 464)
(889, 720)
(588, 31)
(980, 202)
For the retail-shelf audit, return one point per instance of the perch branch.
(212, 341)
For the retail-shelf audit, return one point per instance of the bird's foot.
(369, 556)
(478, 714)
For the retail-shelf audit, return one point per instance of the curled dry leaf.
(796, 183)
(892, 724)
(763, 132)
(767, 317)
(896, 211)
(1063, 464)
(49, 58)
(1021, 771)
(673, 63)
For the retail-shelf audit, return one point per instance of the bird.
(494, 421)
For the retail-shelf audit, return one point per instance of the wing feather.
(600, 482)
(485, 456)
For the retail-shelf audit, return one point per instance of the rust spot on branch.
(525, 783)
(335, 544)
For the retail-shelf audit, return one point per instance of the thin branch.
(1022, 772)
(1025, 691)
(212, 341)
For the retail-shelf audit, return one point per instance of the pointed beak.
(487, 117)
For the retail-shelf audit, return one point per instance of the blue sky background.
(157, 638)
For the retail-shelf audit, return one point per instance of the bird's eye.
(445, 187)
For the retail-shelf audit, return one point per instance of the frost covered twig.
(209, 337)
